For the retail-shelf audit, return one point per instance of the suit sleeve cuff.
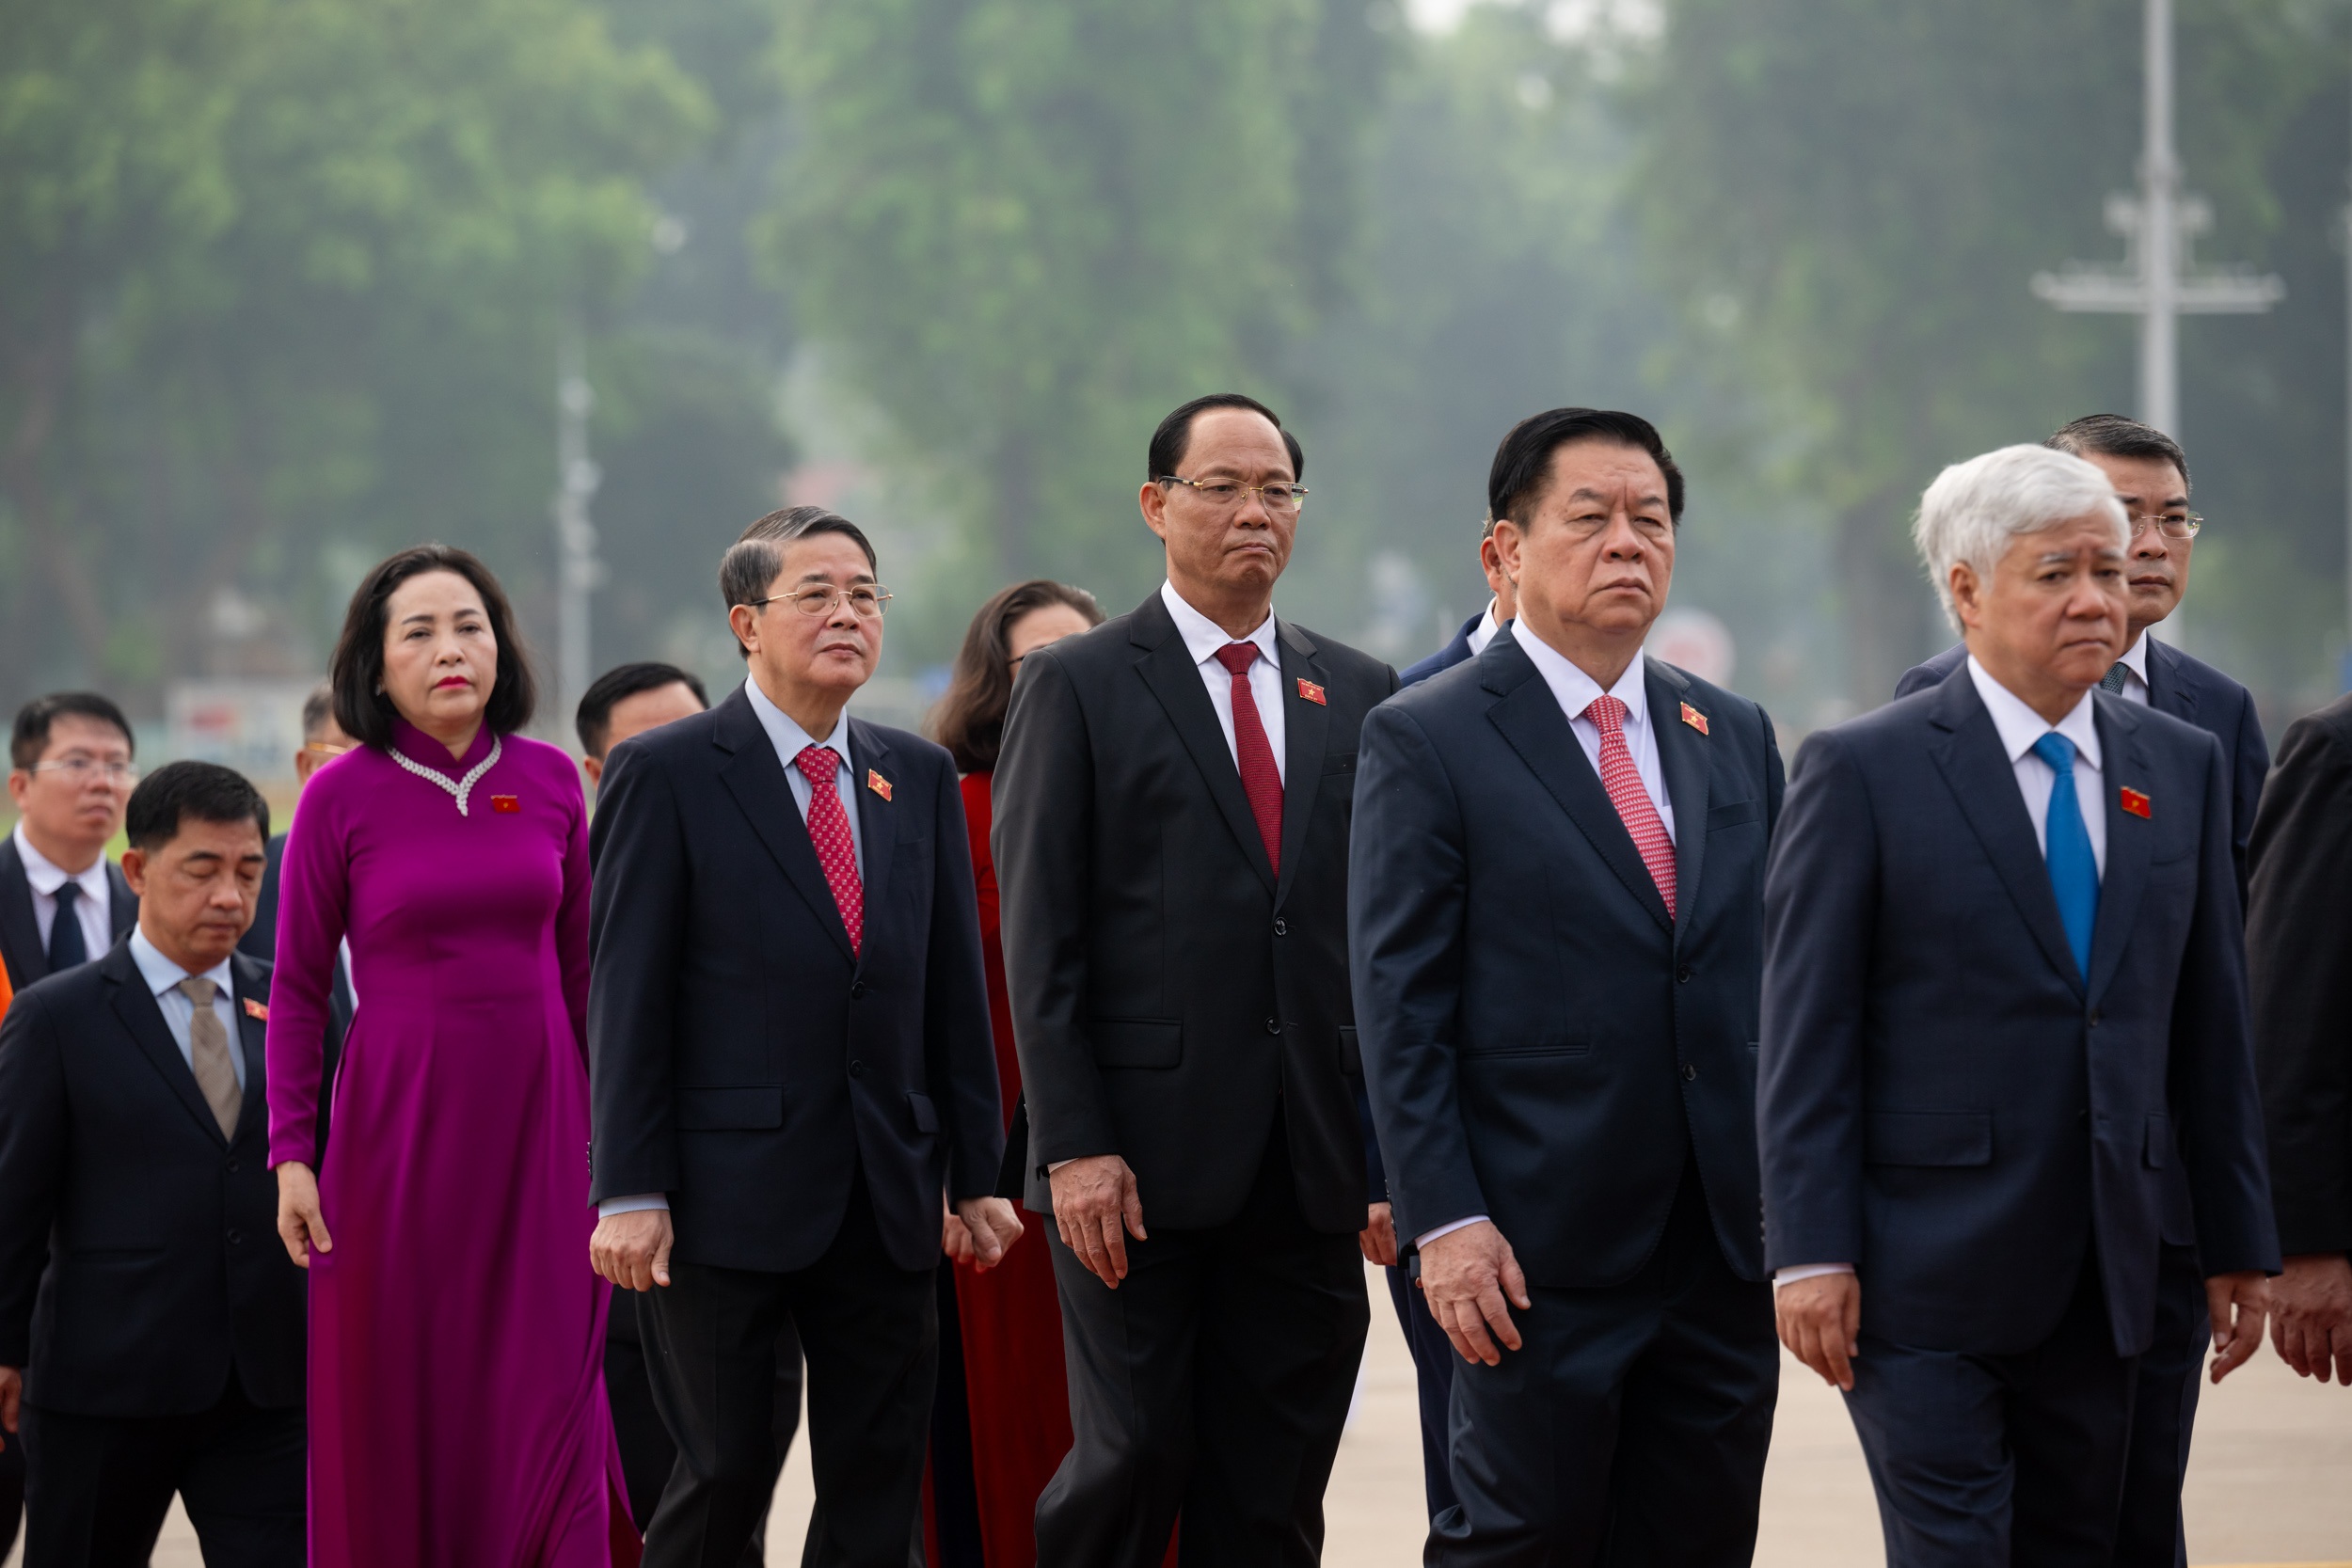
(1428, 1236)
(1808, 1270)
(635, 1203)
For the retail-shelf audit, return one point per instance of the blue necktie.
(2066, 846)
(66, 950)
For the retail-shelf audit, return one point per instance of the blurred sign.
(1696, 640)
(254, 726)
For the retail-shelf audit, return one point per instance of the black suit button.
(232, 1167)
(857, 989)
(1274, 1026)
(2094, 1018)
(1281, 927)
(857, 1070)
(1682, 976)
(235, 1236)
(1690, 1072)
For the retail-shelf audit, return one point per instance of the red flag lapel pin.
(879, 784)
(1693, 718)
(2136, 802)
(256, 1010)
(1310, 692)
(506, 805)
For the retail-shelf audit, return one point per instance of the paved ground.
(2270, 1481)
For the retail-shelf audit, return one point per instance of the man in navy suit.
(2150, 473)
(1479, 630)
(1555, 901)
(2004, 996)
(790, 1059)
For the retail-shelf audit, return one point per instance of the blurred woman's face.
(441, 659)
(1045, 623)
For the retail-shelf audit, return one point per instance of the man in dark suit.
(790, 1060)
(2298, 960)
(2150, 473)
(150, 1327)
(1479, 630)
(1171, 813)
(1555, 891)
(2004, 996)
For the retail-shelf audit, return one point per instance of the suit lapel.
(2131, 841)
(142, 1018)
(755, 776)
(2167, 691)
(1306, 729)
(20, 932)
(1683, 757)
(1977, 769)
(1167, 669)
(1529, 718)
(121, 903)
(252, 1034)
(877, 817)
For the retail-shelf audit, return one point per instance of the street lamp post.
(578, 572)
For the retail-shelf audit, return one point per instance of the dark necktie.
(66, 946)
(1259, 779)
(829, 830)
(2066, 846)
(2113, 679)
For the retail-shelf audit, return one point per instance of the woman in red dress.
(1014, 1385)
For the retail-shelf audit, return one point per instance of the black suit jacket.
(20, 932)
(1946, 1103)
(2299, 958)
(740, 1058)
(1544, 1045)
(140, 1259)
(261, 941)
(2190, 690)
(1170, 994)
(1456, 652)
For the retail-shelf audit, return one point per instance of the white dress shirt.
(163, 977)
(1484, 631)
(1575, 690)
(2135, 662)
(2019, 727)
(95, 907)
(1202, 639)
(789, 739)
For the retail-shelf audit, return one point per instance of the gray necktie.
(208, 1055)
(2113, 679)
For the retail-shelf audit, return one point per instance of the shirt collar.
(47, 877)
(1203, 637)
(1576, 690)
(162, 974)
(1484, 631)
(2021, 726)
(784, 731)
(2135, 657)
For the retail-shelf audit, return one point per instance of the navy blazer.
(1453, 653)
(1542, 1044)
(1946, 1102)
(20, 947)
(741, 1059)
(2192, 692)
(140, 1259)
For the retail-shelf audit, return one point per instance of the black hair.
(36, 718)
(2113, 435)
(749, 568)
(1169, 443)
(356, 670)
(615, 687)
(1523, 466)
(179, 790)
(970, 719)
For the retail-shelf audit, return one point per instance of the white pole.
(577, 571)
(2159, 233)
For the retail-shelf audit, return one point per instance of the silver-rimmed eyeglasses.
(1279, 497)
(866, 602)
(2172, 525)
(80, 772)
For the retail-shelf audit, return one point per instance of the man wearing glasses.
(2150, 473)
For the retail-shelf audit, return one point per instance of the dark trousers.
(1434, 1358)
(1631, 1427)
(648, 1451)
(1999, 1458)
(11, 1489)
(1214, 1381)
(2147, 1533)
(870, 1332)
(97, 1486)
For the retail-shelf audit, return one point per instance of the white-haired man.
(2004, 990)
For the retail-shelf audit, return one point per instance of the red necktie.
(1259, 780)
(1624, 783)
(829, 830)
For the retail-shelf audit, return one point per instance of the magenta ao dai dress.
(456, 1397)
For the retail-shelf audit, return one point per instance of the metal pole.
(577, 571)
(2159, 232)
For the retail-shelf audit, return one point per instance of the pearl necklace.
(459, 787)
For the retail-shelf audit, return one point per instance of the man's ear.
(1152, 500)
(134, 871)
(1509, 541)
(1965, 586)
(594, 767)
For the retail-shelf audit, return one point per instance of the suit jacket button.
(235, 1236)
(232, 1167)
(1690, 1072)
(1281, 929)
(857, 1070)
(1274, 1026)
(857, 989)
(2094, 1018)
(1682, 976)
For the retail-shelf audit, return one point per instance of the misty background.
(283, 286)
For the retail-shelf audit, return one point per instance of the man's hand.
(2310, 1319)
(2235, 1341)
(300, 1224)
(1093, 1197)
(11, 1396)
(1378, 1237)
(1466, 1274)
(1820, 1323)
(954, 1240)
(989, 1227)
(632, 1250)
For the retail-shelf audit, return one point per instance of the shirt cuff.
(1808, 1270)
(1424, 1239)
(636, 1203)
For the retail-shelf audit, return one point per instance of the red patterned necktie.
(1259, 780)
(829, 830)
(1624, 783)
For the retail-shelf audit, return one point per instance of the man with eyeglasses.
(2150, 473)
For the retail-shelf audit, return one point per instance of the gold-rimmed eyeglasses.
(327, 748)
(2172, 526)
(866, 602)
(1226, 494)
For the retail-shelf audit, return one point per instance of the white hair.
(1974, 509)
